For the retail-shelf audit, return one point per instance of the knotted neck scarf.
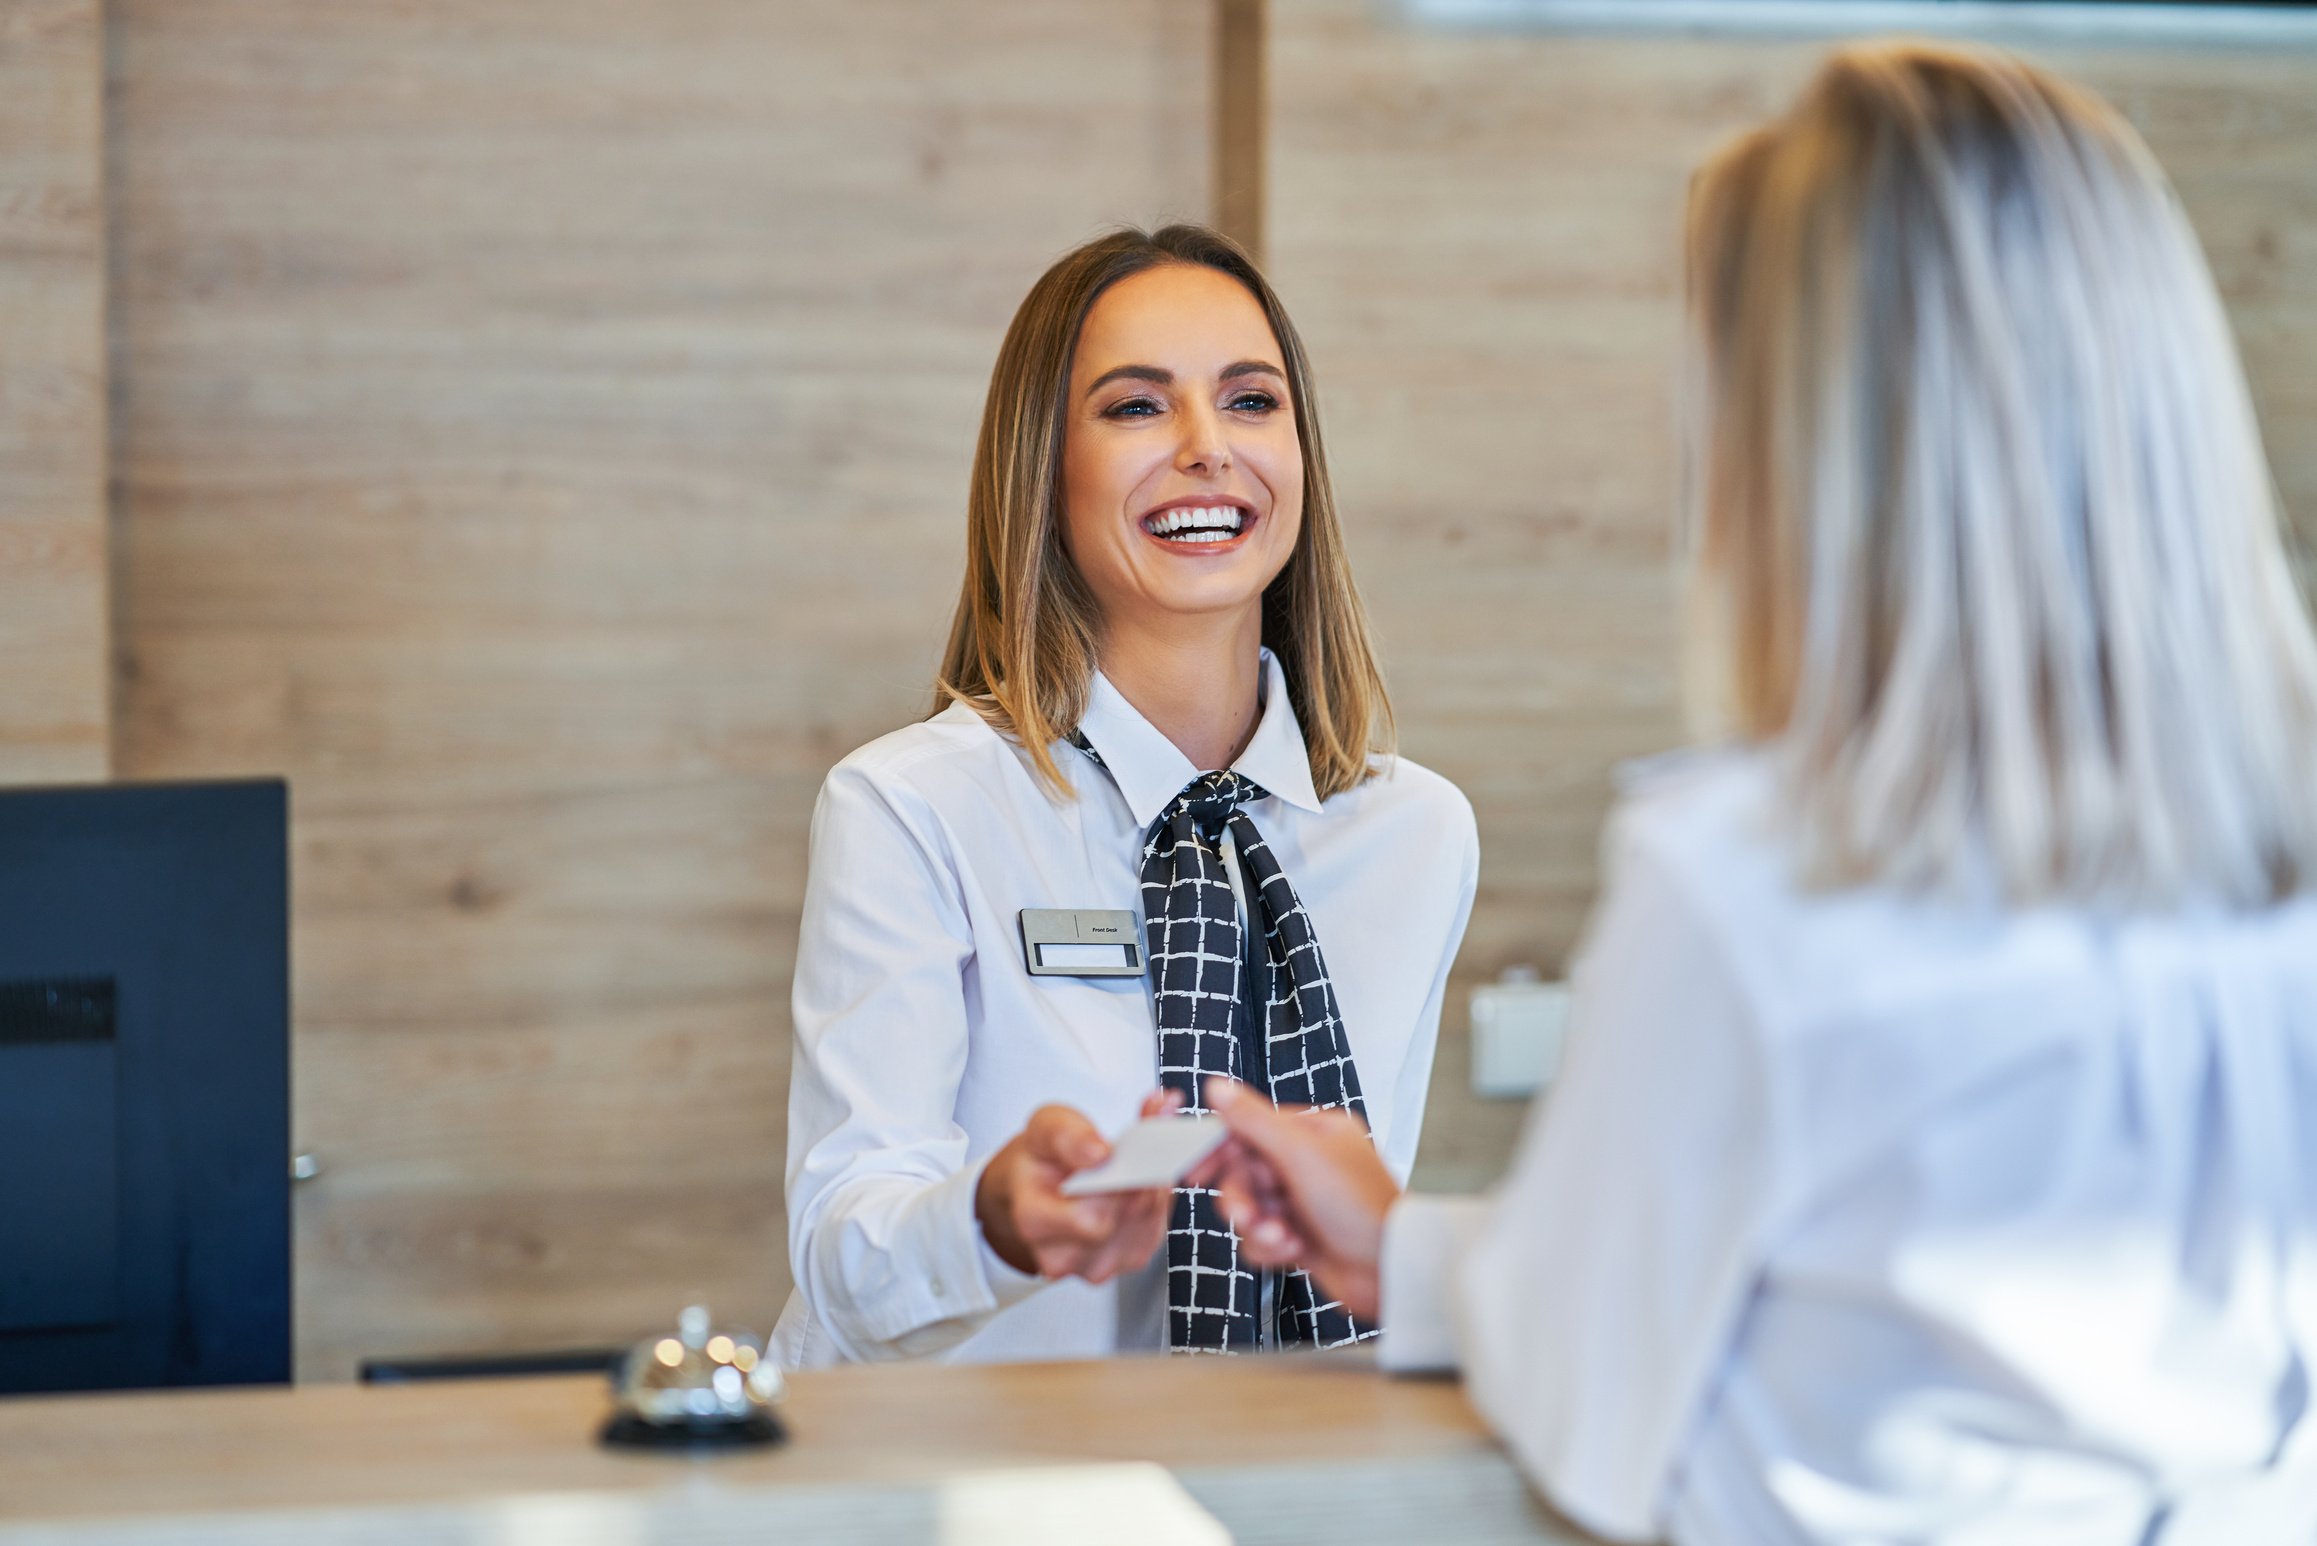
(1267, 1018)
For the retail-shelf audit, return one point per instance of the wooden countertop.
(1286, 1448)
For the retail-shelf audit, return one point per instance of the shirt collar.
(1150, 770)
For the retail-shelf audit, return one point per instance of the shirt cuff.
(1425, 1242)
(1007, 1285)
(951, 1274)
(1000, 1285)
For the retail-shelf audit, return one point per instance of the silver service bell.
(701, 1386)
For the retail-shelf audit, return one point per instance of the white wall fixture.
(1517, 1025)
(2060, 21)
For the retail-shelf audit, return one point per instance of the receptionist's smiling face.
(1182, 476)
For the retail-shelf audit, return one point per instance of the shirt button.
(938, 1290)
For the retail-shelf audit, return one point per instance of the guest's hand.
(1034, 1228)
(1304, 1188)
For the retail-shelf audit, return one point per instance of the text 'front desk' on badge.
(1081, 942)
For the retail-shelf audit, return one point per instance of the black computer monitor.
(144, 1086)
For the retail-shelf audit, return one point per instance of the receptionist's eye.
(1253, 402)
(1132, 408)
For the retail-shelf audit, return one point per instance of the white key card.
(1154, 1152)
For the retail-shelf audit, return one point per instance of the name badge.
(1081, 942)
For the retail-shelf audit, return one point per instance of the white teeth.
(1202, 523)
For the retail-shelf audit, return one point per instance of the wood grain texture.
(1476, 234)
(182, 1452)
(1315, 1447)
(543, 431)
(54, 693)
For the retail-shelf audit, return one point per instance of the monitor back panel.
(144, 1086)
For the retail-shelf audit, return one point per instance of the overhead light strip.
(2227, 26)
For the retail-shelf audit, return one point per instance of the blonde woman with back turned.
(1932, 1160)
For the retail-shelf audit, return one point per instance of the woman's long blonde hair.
(1022, 649)
(1985, 543)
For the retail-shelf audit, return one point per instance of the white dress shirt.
(1866, 1219)
(923, 1044)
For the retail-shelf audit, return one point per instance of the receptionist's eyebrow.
(1158, 376)
(1150, 373)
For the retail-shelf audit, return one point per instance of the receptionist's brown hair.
(1022, 649)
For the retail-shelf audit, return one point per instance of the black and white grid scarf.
(1209, 992)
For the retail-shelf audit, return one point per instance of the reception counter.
(1303, 1448)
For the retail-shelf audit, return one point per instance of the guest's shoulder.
(1704, 841)
(1706, 813)
(1693, 849)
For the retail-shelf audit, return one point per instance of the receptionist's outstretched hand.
(1304, 1188)
(1034, 1228)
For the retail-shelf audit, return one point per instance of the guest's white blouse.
(923, 1043)
(1864, 1219)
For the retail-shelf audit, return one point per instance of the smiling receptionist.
(1161, 709)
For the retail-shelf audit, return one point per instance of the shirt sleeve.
(1414, 1083)
(1597, 1293)
(883, 1240)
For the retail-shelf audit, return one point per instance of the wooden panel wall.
(542, 433)
(55, 685)
(1476, 234)
(540, 429)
